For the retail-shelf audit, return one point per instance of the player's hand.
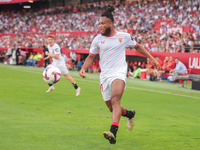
(82, 73)
(156, 64)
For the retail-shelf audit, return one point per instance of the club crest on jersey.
(120, 40)
(102, 42)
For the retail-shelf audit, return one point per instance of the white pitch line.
(85, 80)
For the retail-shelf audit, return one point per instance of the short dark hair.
(108, 12)
(177, 58)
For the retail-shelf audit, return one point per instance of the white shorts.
(63, 68)
(105, 86)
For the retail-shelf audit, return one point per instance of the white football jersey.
(112, 52)
(55, 50)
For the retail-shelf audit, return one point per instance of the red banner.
(33, 29)
(7, 34)
(86, 32)
(13, 1)
(126, 30)
(158, 23)
(74, 33)
(31, 33)
(175, 29)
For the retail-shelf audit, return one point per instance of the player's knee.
(67, 77)
(115, 100)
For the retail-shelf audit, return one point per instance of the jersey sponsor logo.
(120, 40)
(131, 38)
(102, 42)
(56, 49)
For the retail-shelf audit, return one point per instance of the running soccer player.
(58, 61)
(112, 46)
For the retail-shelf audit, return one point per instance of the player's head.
(106, 21)
(50, 40)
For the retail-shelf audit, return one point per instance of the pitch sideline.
(85, 80)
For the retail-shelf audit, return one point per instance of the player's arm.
(87, 63)
(144, 52)
(56, 56)
(93, 51)
(46, 57)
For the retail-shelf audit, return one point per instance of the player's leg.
(117, 89)
(68, 77)
(51, 87)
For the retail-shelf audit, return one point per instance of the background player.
(112, 45)
(58, 61)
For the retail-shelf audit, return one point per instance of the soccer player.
(58, 61)
(112, 46)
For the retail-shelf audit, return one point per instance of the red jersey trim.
(136, 44)
(113, 34)
(53, 45)
(92, 54)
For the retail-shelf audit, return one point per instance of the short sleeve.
(131, 42)
(57, 50)
(94, 47)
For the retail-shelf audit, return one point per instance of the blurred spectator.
(2, 55)
(17, 55)
(37, 59)
(64, 57)
(80, 64)
(136, 73)
(45, 57)
(73, 58)
(30, 60)
(166, 68)
(179, 69)
(30, 28)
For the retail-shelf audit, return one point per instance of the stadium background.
(56, 7)
(167, 115)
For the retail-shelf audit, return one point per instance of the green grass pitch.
(167, 117)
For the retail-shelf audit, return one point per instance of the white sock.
(148, 76)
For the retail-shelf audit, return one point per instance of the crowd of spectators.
(137, 16)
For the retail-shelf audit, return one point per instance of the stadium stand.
(160, 26)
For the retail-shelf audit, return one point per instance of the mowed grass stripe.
(91, 81)
(31, 119)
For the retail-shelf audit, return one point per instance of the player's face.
(105, 25)
(50, 41)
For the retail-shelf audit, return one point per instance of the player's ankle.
(127, 113)
(114, 128)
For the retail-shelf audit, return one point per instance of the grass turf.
(30, 119)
